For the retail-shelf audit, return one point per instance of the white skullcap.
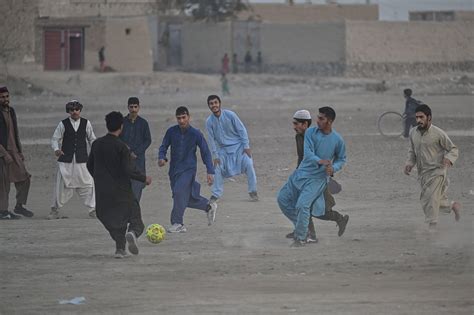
(302, 114)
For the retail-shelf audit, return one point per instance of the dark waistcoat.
(74, 142)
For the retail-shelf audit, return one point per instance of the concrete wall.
(312, 49)
(108, 8)
(129, 52)
(440, 46)
(464, 15)
(204, 44)
(309, 13)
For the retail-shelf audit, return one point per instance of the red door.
(75, 50)
(63, 49)
(53, 50)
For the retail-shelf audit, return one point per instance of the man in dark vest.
(69, 143)
(12, 166)
(117, 208)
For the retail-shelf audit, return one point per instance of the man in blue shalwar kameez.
(184, 140)
(230, 148)
(302, 195)
(136, 134)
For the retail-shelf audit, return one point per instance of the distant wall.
(309, 13)
(312, 49)
(204, 45)
(107, 8)
(128, 51)
(401, 46)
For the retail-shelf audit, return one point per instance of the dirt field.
(386, 262)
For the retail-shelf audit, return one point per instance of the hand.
(248, 152)
(8, 158)
(161, 163)
(216, 162)
(58, 153)
(324, 162)
(447, 163)
(210, 179)
(329, 170)
(148, 180)
(408, 169)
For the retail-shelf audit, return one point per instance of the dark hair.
(309, 121)
(328, 112)
(133, 100)
(72, 105)
(114, 120)
(213, 97)
(182, 110)
(407, 92)
(425, 109)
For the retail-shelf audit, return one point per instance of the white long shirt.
(75, 175)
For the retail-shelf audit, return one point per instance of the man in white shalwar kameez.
(433, 152)
(69, 142)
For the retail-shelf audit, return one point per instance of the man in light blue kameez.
(302, 195)
(230, 148)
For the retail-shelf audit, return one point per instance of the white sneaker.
(211, 213)
(132, 242)
(177, 228)
(121, 253)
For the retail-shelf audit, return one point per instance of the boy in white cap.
(301, 122)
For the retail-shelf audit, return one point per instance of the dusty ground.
(385, 263)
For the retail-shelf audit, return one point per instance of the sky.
(397, 10)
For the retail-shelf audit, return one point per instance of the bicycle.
(391, 124)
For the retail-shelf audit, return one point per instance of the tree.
(208, 10)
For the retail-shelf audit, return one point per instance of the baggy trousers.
(433, 196)
(246, 167)
(186, 194)
(135, 224)
(22, 188)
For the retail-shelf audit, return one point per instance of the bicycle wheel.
(390, 124)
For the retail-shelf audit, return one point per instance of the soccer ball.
(155, 233)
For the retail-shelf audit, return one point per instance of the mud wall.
(408, 47)
(128, 44)
(303, 48)
(203, 46)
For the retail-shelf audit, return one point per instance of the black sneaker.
(290, 235)
(253, 196)
(298, 243)
(7, 215)
(24, 212)
(342, 225)
(213, 199)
